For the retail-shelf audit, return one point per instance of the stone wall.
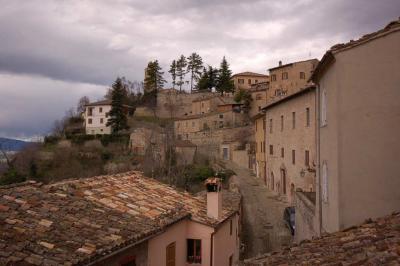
(305, 215)
(241, 158)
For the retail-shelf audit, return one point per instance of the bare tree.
(84, 100)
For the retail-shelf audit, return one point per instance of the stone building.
(258, 93)
(358, 129)
(290, 143)
(122, 219)
(287, 79)
(245, 80)
(185, 152)
(260, 132)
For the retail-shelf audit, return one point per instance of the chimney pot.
(280, 63)
(214, 197)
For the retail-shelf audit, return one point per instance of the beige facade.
(290, 78)
(259, 129)
(245, 80)
(259, 96)
(290, 144)
(359, 129)
(96, 117)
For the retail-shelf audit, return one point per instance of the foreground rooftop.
(77, 221)
(372, 243)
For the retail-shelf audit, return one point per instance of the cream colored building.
(96, 117)
(245, 80)
(259, 95)
(290, 78)
(358, 129)
(290, 143)
(260, 131)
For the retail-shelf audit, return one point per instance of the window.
(100, 109)
(307, 158)
(323, 108)
(264, 124)
(89, 121)
(241, 81)
(221, 116)
(194, 251)
(293, 157)
(285, 75)
(101, 120)
(230, 260)
(231, 228)
(178, 125)
(273, 77)
(106, 114)
(202, 104)
(302, 75)
(307, 117)
(258, 96)
(281, 122)
(282, 152)
(90, 111)
(270, 125)
(221, 124)
(293, 120)
(324, 182)
(249, 81)
(128, 261)
(271, 150)
(101, 130)
(264, 146)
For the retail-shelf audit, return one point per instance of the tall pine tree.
(172, 71)
(181, 71)
(117, 120)
(208, 79)
(194, 66)
(154, 80)
(224, 82)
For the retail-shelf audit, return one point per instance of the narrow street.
(263, 226)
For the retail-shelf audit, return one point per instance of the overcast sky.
(54, 52)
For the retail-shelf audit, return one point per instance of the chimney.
(214, 197)
(280, 63)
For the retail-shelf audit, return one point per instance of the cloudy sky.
(52, 52)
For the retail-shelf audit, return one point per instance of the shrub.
(12, 176)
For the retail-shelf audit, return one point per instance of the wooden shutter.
(170, 260)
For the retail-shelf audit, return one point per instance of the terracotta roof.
(248, 73)
(329, 55)
(372, 243)
(77, 221)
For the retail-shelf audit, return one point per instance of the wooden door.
(170, 260)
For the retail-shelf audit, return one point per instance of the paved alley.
(263, 226)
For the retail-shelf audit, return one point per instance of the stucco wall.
(96, 127)
(299, 139)
(246, 85)
(227, 244)
(305, 217)
(199, 231)
(185, 155)
(241, 158)
(138, 252)
(363, 114)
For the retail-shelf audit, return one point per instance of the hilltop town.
(296, 165)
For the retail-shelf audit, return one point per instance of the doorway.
(283, 178)
(170, 259)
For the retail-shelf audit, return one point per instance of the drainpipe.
(317, 104)
(212, 248)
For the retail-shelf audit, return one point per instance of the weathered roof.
(77, 221)
(184, 143)
(248, 73)
(290, 64)
(329, 55)
(102, 102)
(372, 243)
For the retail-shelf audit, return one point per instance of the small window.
(264, 124)
(271, 150)
(302, 75)
(100, 109)
(90, 121)
(202, 104)
(285, 75)
(230, 260)
(101, 120)
(270, 125)
(281, 122)
(273, 77)
(293, 157)
(293, 120)
(261, 146)
(241, 81)
(90, 111)
(221, 116)
(282, 152)
(307, 117)
(249, 81)
(258, 96)
(106, 115)
(307, 158)
(101, 130)
(194, 251)
(256, 81)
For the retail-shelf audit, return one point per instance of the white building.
(96, 117)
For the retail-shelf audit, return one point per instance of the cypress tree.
(154, 77)
(194, 66)
(224, 82)
(117, 120)
(172, 71)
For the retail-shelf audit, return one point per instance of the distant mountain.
(12, 144)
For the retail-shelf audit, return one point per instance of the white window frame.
(324, 121)
(324, 181)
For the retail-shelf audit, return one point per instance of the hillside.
(12, 144)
